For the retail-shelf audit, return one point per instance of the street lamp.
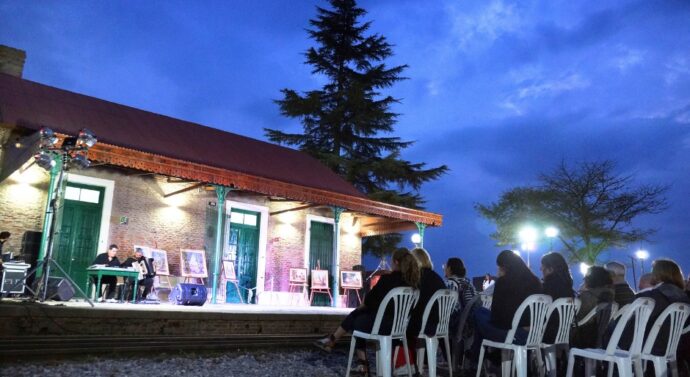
(416, 239)
(551, 232)
(641, 255)
(528, 236)
(584, 267)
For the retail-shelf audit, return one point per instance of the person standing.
(4, 236)
(107, 259)
(146, 275)
(623, 293)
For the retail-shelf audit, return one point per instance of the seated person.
(108, 259)
(597, 289)
(146, 272)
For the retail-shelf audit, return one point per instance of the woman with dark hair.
(558, 283)
(597, 289)
(405, 274)
(514, 284)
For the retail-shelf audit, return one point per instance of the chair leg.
(406, 349)
(480, 363)
(624, 368)
(674, 368)
(611, 367)
(431, 348)
(589, 367)
(385, 356)
(571, 365)
(349, 359)
(520, 361)
(446, 341)
(637, 364)
(550, 358)
(660, 368)
(506, 363)
(421, 354)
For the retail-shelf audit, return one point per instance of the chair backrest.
(465, 314)
(446, 299)
(486, 300)
(639, 311)
(404, 299)
(537, 305)
(566, 308)
(676, 314)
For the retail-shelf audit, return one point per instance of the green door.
(321, 254)
(242, 247)
(80, 226)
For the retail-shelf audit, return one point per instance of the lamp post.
(528, 236)
(641, 256)
(416, 239)
(551, 232)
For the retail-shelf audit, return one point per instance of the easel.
(346, 293)
(233, 281)
(297, 287)
(319, 290)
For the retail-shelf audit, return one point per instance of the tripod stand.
(42, 285)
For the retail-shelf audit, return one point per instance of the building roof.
(33, 105)
(156, 143)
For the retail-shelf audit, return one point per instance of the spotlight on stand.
(80, 161)
(48, 138)
(45, 160)
(86, 138)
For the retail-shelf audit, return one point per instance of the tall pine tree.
(348, 122)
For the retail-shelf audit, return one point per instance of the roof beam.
(294, 209)
(190, 188)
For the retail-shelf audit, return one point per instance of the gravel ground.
(308, 363)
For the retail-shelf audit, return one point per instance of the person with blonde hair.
(429, 283)
(405, 274)
(669, 288)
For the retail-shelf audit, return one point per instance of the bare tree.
(592, 206)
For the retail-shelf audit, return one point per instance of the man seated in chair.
(146, 272)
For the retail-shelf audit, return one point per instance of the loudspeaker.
(188, 294)
(59, 289)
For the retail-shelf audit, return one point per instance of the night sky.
(499, 91)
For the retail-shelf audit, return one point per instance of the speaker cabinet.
(59, 289)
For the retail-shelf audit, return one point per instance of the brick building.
(160, 182)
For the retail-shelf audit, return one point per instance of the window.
(82, 194)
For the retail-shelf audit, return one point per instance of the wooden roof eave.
(125, 157)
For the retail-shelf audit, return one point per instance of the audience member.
(669, 288)
(623, 293)
(488, 282)
(646, 282)
(558, 283)
(107, 259)
(597, 289)
(405, 274)
(456, 280)
(514, 284)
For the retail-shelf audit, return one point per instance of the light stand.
(383, 266)
(52, 158)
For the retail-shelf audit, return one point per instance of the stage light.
(80, 161)
(86, 138)
(44, 160)
(48, 138)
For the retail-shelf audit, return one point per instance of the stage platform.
(76, 317)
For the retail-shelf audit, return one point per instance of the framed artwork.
(229, 270)
(351, 279)
(160, 261)
(298, 275)
(319, 279)
(193, 263)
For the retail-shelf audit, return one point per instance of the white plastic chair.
(538, 306)
(598, 309)
(486, 300)
(566, 308)
(404, 299)
(676, 314)
(639, 311)
(446, 299)
(461, 344)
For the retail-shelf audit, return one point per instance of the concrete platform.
(23, 318)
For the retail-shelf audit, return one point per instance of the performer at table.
(146, 271)
(107, 259)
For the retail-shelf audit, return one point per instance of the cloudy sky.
(499, 91)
